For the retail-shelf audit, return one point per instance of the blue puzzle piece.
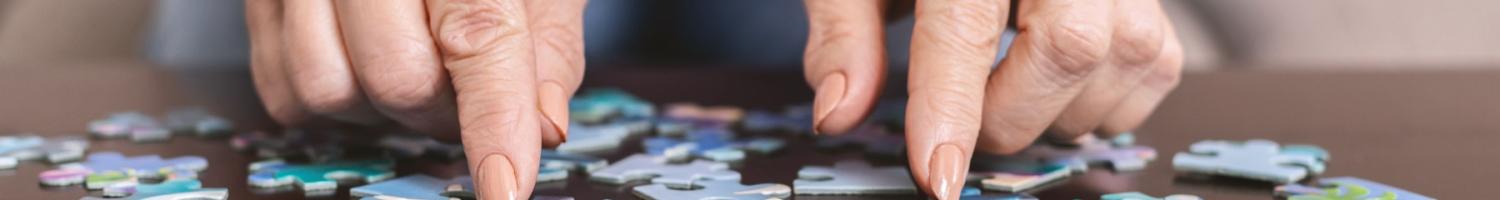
(972, 193)
(14, 149)
(1339, 188)
(174, 189)
(1143, 196)
(599, 105)
(595, 138)
(317, 177)
(712, 144)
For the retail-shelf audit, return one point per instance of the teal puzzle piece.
(317, 177)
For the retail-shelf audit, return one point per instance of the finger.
(487, 49)
(317, 67)
(845, 61)
(1135, 42)
(558, 25)
(1058, 45)
(954, 43)
(263, 20)
(396, 62)
(1138, 105)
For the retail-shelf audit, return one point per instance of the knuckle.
(1137, 42)
(325, 100)
(471, 27)
(407, 93)
(1071, 49)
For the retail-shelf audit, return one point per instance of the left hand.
(1077, 67)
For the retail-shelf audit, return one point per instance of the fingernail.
(554, 106)
(829, 95)
(946, 172)
(496, 178)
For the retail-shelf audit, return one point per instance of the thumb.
(845, 61)
(487, 49)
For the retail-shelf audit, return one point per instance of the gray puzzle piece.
(408, 187)
(660, 170)
(1254, 159)
(571, 162)
(14, 149)
(853, 178)
(715, 190)
(594, 138)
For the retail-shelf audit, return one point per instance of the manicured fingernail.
(497, 178)
(829, 95)
(945, 171)
(554, 106)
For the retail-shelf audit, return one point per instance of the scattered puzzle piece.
(1254, 159)
(197, 121)
(1121, 156)
(971, 193)
(95, 171)
(175, 189)
(1025, 176)
(595, 138)
(317, 177)
(711, 144)
(660, 170)
(1143, 196)
(715, 190)
(571, 162)
(290, 143)
(408, 187)
(1341, 188)
(853, 178)
(599, 105)
(14, 149)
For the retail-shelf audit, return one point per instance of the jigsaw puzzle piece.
(1254, 159)
(1143, 196)
(1025, 176)
(290, 143)
(14, 149)
(174, 189)
(146, 166)
(317, 177)
(600, 104)
(1339, 188)
(711, 144)
(120, 125)
(408, 187)
(571, 162)
(595, 138)
(715, 190)
(660, 170)
(1119, 155)
(853, 178)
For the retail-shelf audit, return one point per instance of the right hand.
(496, 73)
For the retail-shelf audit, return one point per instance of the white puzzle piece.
(1254, 159)
(853, 178)
(661, 170)
(715, 190)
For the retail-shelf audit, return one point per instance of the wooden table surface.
(1429, 132)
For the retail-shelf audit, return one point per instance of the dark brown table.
(1431, 132)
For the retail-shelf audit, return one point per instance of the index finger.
(953, 46)
(487, 49)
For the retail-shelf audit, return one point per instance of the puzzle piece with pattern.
(316, 178)
(972, 193)
(711, 144)
(1121, 156)
(1340, 188)
(695, 112)
(173, 189)
(1024, 175)
(1143, 196)
(95, 171)
(601, 104)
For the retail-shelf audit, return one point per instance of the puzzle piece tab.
(14, 149)
(1254, 159)
(853, 178)
(1340, 188)
(660, 170)
(715, 190)
(174, 189)
(93, 172)
(317, 177)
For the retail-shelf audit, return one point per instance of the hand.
(497, 73)
(1076, 67)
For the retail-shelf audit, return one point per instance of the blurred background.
(1217, 35)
